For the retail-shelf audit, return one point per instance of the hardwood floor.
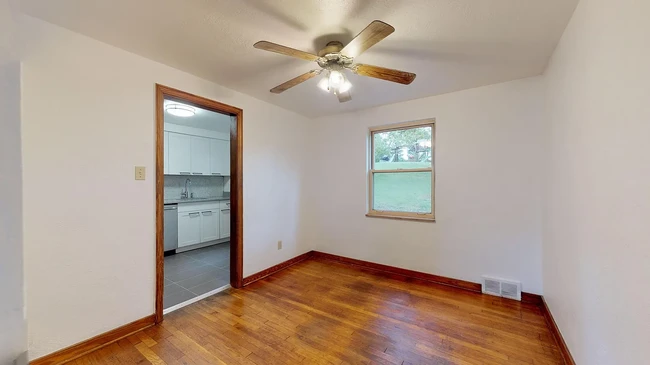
(323, 312)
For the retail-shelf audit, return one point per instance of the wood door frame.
(236, 193)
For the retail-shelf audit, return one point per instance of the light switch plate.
(279, 245)
(139, 173)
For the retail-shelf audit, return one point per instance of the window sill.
(387, 216)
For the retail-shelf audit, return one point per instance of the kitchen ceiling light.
(180, 110)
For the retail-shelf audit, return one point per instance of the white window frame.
(371, 171)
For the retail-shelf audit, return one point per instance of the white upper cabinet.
(200, 160)
(187, 154)
(180, 154)
(219, 157)
(166, 152)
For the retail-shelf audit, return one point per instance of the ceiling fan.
(335, 58)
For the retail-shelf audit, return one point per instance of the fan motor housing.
(331, 47)
(332, 59)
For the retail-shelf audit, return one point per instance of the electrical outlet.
(139, 173)
(279, 245)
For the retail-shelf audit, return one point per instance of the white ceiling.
(450, 44)
(204, 119)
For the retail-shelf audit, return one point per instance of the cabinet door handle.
(216, 173)
(197, 173)
(207, 213)
(184, 173)
(225, 210)
(194, 214)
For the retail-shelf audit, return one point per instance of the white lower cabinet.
(224, 216)
(189, 228)
(209, 225)
(201, 222)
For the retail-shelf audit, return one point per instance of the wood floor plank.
(325, 312)
(151, 356)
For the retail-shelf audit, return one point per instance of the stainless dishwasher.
(171, 228)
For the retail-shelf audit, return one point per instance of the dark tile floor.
(192, 273)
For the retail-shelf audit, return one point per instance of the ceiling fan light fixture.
(180, 110)
(336, 80)
(347, 85)
(336, 58)
(324, 84)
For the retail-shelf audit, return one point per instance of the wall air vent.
(491, 286)
(501, 287)
(511, 289)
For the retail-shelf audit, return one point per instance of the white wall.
(13, 327)
(488, 208)
(88, 119)
(13, 333)
(596, 222)
(7, 31)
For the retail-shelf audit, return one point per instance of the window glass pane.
(402, 191)
(403, 149)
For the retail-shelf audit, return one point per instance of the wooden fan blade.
(287, 51)
(375, 32)
(295, 81)
(343, 97)
(387, 74)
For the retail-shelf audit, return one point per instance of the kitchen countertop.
(196, 200)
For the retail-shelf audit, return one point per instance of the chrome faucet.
(185, 194)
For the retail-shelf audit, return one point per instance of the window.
(401, 176)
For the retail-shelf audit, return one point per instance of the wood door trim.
(236, 185)
(77, 350)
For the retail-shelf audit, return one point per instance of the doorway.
(199, 198)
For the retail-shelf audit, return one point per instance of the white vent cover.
(491, 286)
(511, 289)
(502, 287)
